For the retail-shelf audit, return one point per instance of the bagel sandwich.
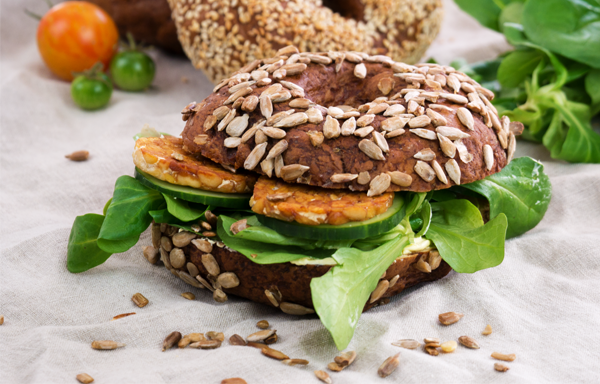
(326, 188)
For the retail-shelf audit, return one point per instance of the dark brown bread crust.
(325, 87)
(292, 281)
(149, 21)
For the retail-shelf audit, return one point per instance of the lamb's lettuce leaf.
(462, 239)
(339, 296)
(127, 215)
(183, 210)
(521, 191)
(83, 252)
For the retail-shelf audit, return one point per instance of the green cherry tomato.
(91, 92)
(132, 70)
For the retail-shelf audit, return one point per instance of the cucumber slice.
(214, 199)
(353, 230)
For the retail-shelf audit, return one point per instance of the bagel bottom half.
(283, 285)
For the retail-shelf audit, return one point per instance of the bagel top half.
(349, 120)
(221, 36)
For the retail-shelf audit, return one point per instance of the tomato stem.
(32, 15)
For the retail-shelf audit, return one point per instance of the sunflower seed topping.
(389, 365)
(447, 146)
(425, 171)
(425, 155)
(379, 184)
(394, 110)
(360, 71)
(266, 106)
(294, 69)
(343, 177)
(419, 122)
(394, 123)
(371, 149)
(439, 171)
(331, 128)
(255, 156)
(316, 138)
(512, 146)
(463, 152)
(363, 178)
(457, 99)
(226, 120)
(301, 103)
(314, 115)
(348, 127)
(453, 171)
(381, 141)
(451, 133)
(293, 171)
(277, 149)
(239, 93)
(400, 178)
(436, 118)
(335, 112)
(386, 85)
(365, 120)
(383, 285)
(363, 132)
(466, 118)
(440, 107)
(378, 108)
(292, 120)
(453, 82)
(237, 126)
(424, 133)
(221, 112)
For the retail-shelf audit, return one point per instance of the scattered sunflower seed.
(487, 331)
(188, 295)
(78, 156)
(504, 357)
(323, 376)
(501, 367)
(84, 378)
(263, 324)
(450, 317)
(274, 354)
(171, 340)
(345, 358)
(195, 337)
(407, 343)
(261, 335)
(106, 344)
(448, 346)
(184, 342)
(468, 342)
(139, 300)
(114, 318)
(334, 367)
(432, 351)
(389, 365)
(206, 344)
(219, 296)
(234, 380)
(212, 335)
(292, 362)
(237, 340)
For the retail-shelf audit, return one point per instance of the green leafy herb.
(551, 82)
(127, 215)
(463, 241)
(340, 295)
(83, 252)
(521, 191)
(183, 210)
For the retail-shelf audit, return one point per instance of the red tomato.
(75, 35)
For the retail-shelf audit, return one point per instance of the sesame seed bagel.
(205, 263)
(350, 120)
(222, 36)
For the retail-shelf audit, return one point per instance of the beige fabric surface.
(543, 301)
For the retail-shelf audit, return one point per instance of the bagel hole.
(350, 9)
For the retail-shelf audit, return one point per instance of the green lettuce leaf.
(83, 252)
(521, 191)
(340, 295)
(463, 241)
(183, 210)
(127, 215)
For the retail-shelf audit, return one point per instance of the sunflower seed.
(381, 141)
(281, 96)
(407, 343)
(210, 263)
(275, 66)
(453, 82)
(363, 132)
(360, 71)
(271, 298)
(261, 335)
(106, 344)
(394, 123)
(440, 79)
(488, 157)
(432, 350)
(237, 126)
(287, 50)
(209, 123)
(277, 165)
(201, 139)
(453, 171)
(468, 342)
(206, 344)
(292, 120)
(365, 120)
(334, 367)
(394, 110)
(434, 259)
(277, 149)
(203, 245)
(139, 300)
(255, 156)
(293, 171)
(383, 285)
(301, 103)
(425, 155)
(400, 178)
(84, 378)
(425, 171)
(343, 177)
(419, 122)
(226, 120)
(451, 133)
(449, 318)
(294, 69)
(293, 362)
(345, 358)
(295, 309)
(386, 85)
(348, 127)
(151, 254)
(263, 82)
(501, 367)
(323, 376)
(220, 297)
(279, 116)
(291, 86)
(379, 184)
(205, 283)
(171, 340)
(436, 118)
(316, 138)
(260, 137)
(237, 340)
(389, 365)
(466, 118)
(314, 115)
(401, 67)
(244, 91)
(424, 133)
(331, 128)
(457, 99)
(259, 74)
(181, 239)
(512, 146)
(447, 146)
(422, 266)
(371, 149)
(363, 178)
(228, 280)
(448, 346)
(485, 92)
(266, 106)
(394, 133)
(378, 108)
(279, 74)
(463, 152)
(242, 85)
(504, 357)
(335, 112)
(189, 296)
(274, 133)
(439, 172)
(177, 258)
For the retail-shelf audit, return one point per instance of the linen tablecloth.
(542, 302)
